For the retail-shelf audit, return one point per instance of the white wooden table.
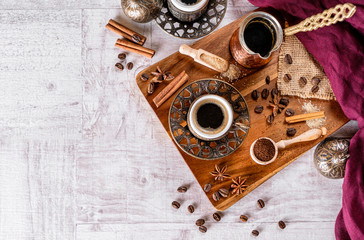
(82, 155)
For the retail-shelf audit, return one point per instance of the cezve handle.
(330, 16)
(205, 58)
(310, 135)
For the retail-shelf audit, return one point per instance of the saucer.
(202, 26)
(190, 144)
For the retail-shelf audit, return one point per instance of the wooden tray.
(239, 163)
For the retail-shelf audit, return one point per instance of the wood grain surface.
(239, 162)
(83, 156)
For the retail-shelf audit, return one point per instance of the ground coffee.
(264, 150)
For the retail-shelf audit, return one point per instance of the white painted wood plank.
(37, 189)
(40, 65)
(56, 4)
(220, 230)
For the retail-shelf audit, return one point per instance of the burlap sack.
(304, 64)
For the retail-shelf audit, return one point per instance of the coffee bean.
(315, 81)
(258, 109)
(287, 77)
(216, 196)
(270, 119)
(289, 112)
(255, 233)
(150, 88)
(255, 94)
(207, 187)
(267, 80)
(176, 204)
(284, 101)
(202, 229)
(200, 222)
(129, 65)
(302, 81)
(191, 209)
(216, 216)
(291, 132)
(315, 89)
(260, 203)
(288, 59)
(281, 224)
(224, 192)
(122, 56)
(144, 77)
(265, 93)
(243, 218)
(182, 189)
(274, 92)
(136, 38)
(119, 66)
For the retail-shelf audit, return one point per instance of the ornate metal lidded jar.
(141, 11)
(330, 157)
(187, 10)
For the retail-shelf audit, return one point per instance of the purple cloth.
(340, 50)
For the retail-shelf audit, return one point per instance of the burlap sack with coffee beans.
(303, 64)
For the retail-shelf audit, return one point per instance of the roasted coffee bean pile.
(277, 104)
(315, 82)
(119, 65)
(302, 80)
(218, 216)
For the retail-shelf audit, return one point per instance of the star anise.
(238, 185)
(274, 104)
(160, 76)
(220, 174)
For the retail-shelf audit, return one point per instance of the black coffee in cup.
(259, 36)
(210, 115)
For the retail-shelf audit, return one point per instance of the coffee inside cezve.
(264, 150)
(258, 37)
(210, 115)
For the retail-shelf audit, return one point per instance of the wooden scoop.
(205, 58)
(310, 135)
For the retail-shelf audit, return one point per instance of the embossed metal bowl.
(330, 157)
(141, 11)
(199, 148)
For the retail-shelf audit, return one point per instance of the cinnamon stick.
(130, 34)
(305, 117)
(118, 31)
(133, 45)
(127, 48)
(170, 89)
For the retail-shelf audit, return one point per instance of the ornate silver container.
(141, 11)
(185, 12)
(330, 157)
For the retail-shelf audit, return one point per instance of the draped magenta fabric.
(340, 50)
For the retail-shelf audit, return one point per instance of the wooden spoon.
(309, 135)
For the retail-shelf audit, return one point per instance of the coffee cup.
(210, 117)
